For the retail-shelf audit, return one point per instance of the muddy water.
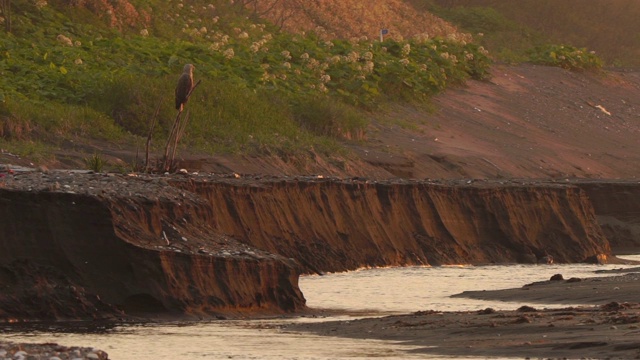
(378, 291)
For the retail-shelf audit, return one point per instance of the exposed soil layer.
(84, 245)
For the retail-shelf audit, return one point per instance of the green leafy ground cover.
(71, 69)
(66, 72)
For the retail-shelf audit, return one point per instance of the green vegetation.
(81, 71)
(567, 57)
(95, 162)
(512, 28)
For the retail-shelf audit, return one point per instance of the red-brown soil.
(526, 121)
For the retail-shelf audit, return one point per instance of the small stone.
(92, 356)
(54, 358)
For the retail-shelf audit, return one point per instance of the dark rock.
(557, 277)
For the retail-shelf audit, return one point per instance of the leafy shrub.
(55, 121)
(329, 117)
(229, 117)
(95, 162)
(566, 57)
(132, 100)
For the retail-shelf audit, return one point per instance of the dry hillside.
(352, 18)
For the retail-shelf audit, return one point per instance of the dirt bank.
(83, 245)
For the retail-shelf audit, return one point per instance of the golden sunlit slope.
(610, 27)
(353, 18)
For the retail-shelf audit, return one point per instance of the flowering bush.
(566, 57)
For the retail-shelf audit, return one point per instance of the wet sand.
(607, 329)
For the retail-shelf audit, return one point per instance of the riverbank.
(610, 328)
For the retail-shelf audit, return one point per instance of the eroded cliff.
(617, 206)
(94, 245)
(330, 225)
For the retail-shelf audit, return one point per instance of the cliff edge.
(83, 245)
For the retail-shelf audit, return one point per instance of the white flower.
(203, 30)
(368, 67)
(325, 78)
(304, 56)
(229, 54)
(368, 56)
(286, 55)
(77, 61)
(41, 3)
(404, 62)
(335, 59)
(243, 35)
(406, 49)
(287, 65)
(144, 32)
(313, 63)
(77, 43)
(64, 40)
(353, 57)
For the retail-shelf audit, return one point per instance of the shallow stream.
(374, 291)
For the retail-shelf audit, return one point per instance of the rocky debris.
(49, 351)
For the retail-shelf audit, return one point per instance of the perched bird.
(185, 84)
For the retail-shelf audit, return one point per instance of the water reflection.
(381, 291)
(402, 290)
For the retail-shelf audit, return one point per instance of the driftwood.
(171, 146)
(152, 126)
(177, 130)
